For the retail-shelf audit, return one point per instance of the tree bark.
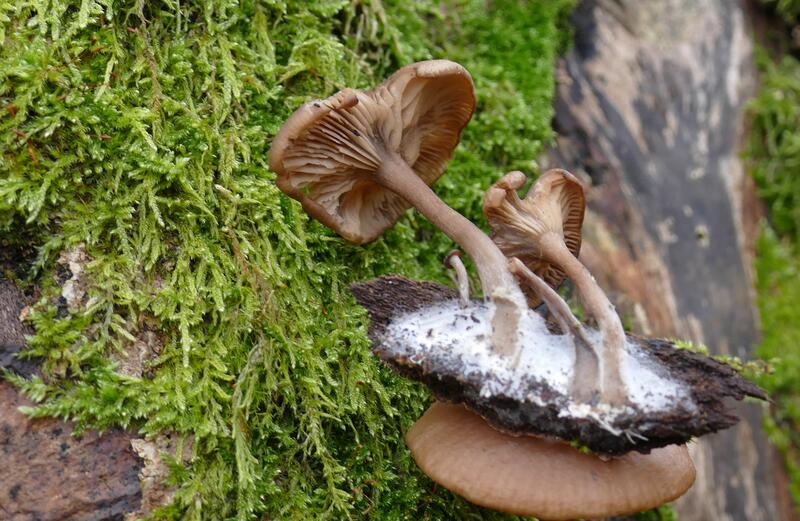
(650, 109)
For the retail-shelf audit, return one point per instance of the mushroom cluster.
(541, 234)
(356, 161)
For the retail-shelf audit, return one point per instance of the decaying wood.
(12, 329)
(710, 382)
(650, 110)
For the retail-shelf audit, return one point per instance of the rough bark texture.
(649, 109)
(12, 330)
(709, 381)
(47, 473)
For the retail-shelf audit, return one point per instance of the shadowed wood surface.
(12, 330)
(650, 111)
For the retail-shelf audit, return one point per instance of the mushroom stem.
(453, 260)
(597, 305)
(397, 176)
(586, 376)
(497, 282)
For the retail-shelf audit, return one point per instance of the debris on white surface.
(448, 335)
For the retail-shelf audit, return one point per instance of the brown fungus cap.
(547, 479)
(327, 153)
(556, 200)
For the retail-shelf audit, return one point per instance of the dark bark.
(650, 110)
(709, 381)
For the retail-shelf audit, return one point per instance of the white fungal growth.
(450, 335)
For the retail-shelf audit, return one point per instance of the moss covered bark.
(140, 130)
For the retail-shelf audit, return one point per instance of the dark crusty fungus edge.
(534, 227)
(709, 382)
(345, 135)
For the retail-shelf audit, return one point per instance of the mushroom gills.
(358, 159)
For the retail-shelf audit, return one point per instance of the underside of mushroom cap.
(556, 200)
(532, 476)
(327, 153)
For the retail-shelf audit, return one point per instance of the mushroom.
(531, 476)
(544, 227)
(550, 272)
(453, 260)
(357, 160)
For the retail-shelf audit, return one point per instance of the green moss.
(663, 513)
(789, 10)
(141, 130)
(774, 156)
(690, 346)
(750, 369)
(774, 148)
(778, 268)
(577, 445)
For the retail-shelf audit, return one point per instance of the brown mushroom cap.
(547, 479)
(557, 201)
(328, 151)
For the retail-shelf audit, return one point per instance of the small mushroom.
(539, 229)
(357, 160)
(453, 260)
(520, 246)
(531, 476)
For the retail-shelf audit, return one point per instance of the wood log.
(650, 111)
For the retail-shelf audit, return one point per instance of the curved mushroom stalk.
(358, 160)
(586, 375)
(453, 260)
(536, 229)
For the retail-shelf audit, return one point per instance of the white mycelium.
(460, 337)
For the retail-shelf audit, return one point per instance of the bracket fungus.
(530, 476)
(357, 160)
